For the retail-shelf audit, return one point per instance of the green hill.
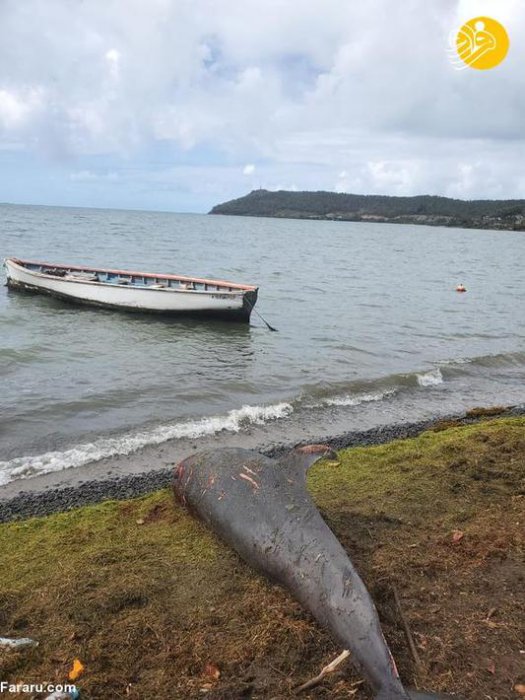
(423, 209)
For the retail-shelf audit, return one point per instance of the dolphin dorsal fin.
(300, 459)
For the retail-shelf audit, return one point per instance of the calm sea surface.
(370, 331)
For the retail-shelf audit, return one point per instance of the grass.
(156, 607)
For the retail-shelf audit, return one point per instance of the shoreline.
(409, 220)
(26, 500)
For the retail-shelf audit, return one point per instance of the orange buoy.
(460, 288)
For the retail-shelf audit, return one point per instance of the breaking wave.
(330, 397)
(233, 421)
(356, 399)
(431, 378)
(496, 360)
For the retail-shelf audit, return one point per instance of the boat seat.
(84, 276)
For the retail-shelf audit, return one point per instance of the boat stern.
(248, 302)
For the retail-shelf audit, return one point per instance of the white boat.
(134, 291)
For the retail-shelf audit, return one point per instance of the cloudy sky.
(179, 104)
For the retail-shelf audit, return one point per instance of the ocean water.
(370, 331)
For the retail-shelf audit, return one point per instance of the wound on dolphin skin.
(347, 585)
(250, 480)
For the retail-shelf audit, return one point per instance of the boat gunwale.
(235, 288)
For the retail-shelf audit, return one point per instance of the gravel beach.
(33, 502)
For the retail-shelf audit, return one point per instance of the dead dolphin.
(261, 507)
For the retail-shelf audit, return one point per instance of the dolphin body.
(261, 508)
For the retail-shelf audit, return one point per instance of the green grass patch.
(148, 598)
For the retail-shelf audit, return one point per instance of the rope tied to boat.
(270, 328)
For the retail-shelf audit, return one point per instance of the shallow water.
(370, 329)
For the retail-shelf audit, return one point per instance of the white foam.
(431, 378)
(457, 361)
(233, 421)
(356, 399)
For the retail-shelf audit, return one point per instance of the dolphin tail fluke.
(300, 459)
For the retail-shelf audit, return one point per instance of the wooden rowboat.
(134, 291)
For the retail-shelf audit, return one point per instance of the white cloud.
(113, 59)
(311, 89)
(17, 107)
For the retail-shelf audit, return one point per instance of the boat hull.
(224, 305)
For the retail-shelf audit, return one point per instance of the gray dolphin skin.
(262, 509)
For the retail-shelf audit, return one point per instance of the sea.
(370, 331)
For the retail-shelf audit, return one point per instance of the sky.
(177, 105)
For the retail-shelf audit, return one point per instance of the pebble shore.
(31, 504)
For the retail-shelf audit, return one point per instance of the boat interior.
(135, 279)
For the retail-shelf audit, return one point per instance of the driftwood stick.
(406, 627)
(325, 671)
